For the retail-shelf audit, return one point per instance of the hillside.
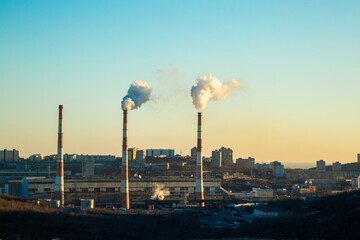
(332, 217)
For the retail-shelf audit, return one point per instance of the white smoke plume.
(210, 88)
(160, 192)
(138, 94)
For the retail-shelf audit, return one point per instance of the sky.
(298, 61)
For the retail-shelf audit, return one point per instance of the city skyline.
(298, 69)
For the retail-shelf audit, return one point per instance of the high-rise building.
(193, 152)
(277, 169)
(140, 156)
(246, 162)
(320, 165)
(132, 154)
(336, 167)
(216, 158)
(358, 157)
(226, 155)
(9, 155)
(88, 167)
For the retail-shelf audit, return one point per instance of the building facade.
(216, 158)
(246, 162)
(336, 167)
(160, 152)
(320, 165)
(88, 167)
(226, 155)
(9, 155)
(34, 187)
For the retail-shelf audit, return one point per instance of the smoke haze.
(138, 94)
(210, 88)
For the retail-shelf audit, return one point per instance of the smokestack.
(124, 190)
(199, 168)
(59, 181)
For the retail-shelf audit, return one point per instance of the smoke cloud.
(210, 88)
(160, 192)
(138, 94)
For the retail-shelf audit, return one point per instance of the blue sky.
(299, 62)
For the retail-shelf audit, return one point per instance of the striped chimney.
(59, 180)
(199, 169)
(124, 190)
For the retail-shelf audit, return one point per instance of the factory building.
(9, 155)
(320, 165)
(226, 155)
(35, 187)
(216, 158)
(246, 162)
(160, 152)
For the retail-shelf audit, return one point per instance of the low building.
(69, 157)
(96, 158)
(160, 152)
(36, 157)
(246, 162)
(263, 166)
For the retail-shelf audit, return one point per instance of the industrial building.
(160, 152)
(36, 187)
(9, 155)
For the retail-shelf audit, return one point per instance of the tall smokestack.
(124, 190)
(199, 168)
(59, 181)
